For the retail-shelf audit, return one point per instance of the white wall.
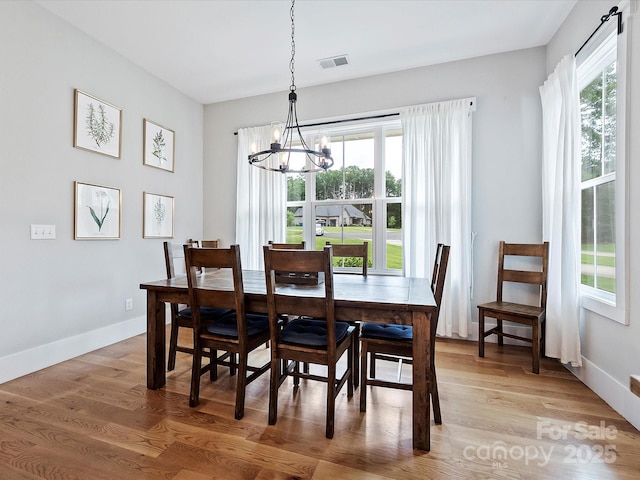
(64, 297)
(611, 351)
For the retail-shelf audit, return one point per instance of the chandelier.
(287, 140)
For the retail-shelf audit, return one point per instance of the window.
(359, 199)
(602, 103)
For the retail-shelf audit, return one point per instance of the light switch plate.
(43, 232)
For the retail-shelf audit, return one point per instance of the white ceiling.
(220, 50)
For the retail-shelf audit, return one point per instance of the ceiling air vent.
(333, 61)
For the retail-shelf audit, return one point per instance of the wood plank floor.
(93, 418)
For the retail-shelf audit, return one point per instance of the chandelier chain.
(293, 49)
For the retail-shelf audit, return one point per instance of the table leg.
(156, 368)
(421, 362)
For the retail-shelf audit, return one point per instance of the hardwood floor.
(93, 418)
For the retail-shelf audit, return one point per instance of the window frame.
(606, 304)
(378, 200)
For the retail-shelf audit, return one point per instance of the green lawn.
(394, 252)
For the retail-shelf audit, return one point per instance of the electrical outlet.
(128, 304)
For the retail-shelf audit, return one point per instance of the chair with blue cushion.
(181, 314)
(237, 333)
(349, 256)
(395, 342)
(312, 334)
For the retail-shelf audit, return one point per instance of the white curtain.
(561, 209)
(436, 192)
(261, 201)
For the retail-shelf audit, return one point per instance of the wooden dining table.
(372, 298)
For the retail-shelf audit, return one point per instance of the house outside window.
(359, 199)
(601, 76)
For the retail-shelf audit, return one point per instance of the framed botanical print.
(159, 145)
(96, 212)
(157, 219)
(97, 125)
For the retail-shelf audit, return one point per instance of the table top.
(381, 292)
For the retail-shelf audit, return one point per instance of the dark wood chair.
(351, 251)
(237, 333)
(288, 246)
(181, 314)
(347, 252)
(206, 243)
(314, 336)
(531, 315)
(393, 342)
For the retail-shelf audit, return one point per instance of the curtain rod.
(371, 117)
(604, 19)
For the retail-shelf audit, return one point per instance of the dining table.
(371, 298)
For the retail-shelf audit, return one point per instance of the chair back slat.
(206, 243)
(288, 246)
(352, 250)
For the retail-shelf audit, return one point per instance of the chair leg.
(213, 369)
(331, 400)
(233, 359)
(273, 390)
(194, 395)
(173, 345)
(350, 365)
(296, 376)
(372, 367)
(543, 336)
(480, 332)
(435, 399)
(241, 384)
(535, 347)
(500, 337)
(356, 356)
(363, 376)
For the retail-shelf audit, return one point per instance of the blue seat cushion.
(384, 331)
(227, 326)
(311, 332)
(206, 313)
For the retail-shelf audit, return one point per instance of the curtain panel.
(436, 193)
(261, 201)
(561, 209)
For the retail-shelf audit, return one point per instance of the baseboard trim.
(37, 358)
(616, 394)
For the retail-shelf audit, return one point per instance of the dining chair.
(288, 246)
(313, 336)
(237, 333)
(526, 314)
(350, 255)
(395, 342)
(206, 243)
(181, 316)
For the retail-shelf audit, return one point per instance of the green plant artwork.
(158, 147)
(99, 128)
(159, 211)
(104, 209)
